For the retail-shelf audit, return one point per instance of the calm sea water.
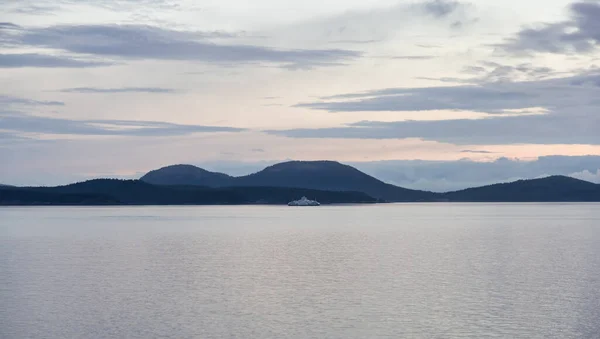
(383, 271)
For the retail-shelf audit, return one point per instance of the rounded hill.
(184, 175)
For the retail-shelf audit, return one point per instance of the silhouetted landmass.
(320, 175)
(187, 175)
(24, 196)
(136, 192)
(333, 176)
(550, 189)
(326, 181)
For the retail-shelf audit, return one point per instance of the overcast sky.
(118, 87)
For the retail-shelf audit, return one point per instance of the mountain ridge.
(335, 176)
(281, 183)
(136, 192)
(182, 174)
(323, 175)
(554, 188)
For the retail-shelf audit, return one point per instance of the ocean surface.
(377, 271)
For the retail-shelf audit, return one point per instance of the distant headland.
(328, 182)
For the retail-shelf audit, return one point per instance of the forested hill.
(135, 192)
(554, 188)
(319, 175)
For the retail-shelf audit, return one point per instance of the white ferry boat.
(304, 202)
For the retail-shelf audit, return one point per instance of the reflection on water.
(383, 271)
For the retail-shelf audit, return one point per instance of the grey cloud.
(587, 175)
(428, 46)
(35, 9)
(134, 4)
(50, 6)
(554, 94)
(571, 105)
(457, 24)
(474, 69)
(497, 72)
(228, 153)
(487, 99)
(486, 72)
(541, 129)
(579, 34)
(453, 175)
(7, 32)
(147, 42)
(45, 125)
(108, 37)
(93, 90)
(8, 138)
(440, 8)
(414, 57)
(349, 41)
(378, 24)
(9, 25)
(447, 79)
(8, 101)
(46, 61)
(301, 66)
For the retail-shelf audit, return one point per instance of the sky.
(415, 92)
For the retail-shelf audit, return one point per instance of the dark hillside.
(135, 192)
(25, 196)
(318, 175)
(331, 176)
(554, 188)
(187, 175)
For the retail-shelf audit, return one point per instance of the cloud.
(476, 151)
(414, 57)
(93, 90)
(35, 9)
(487, 98)
(440, 8)
(149, 42)
(428, 46)
(374, 25)
(493, 97)
(350, 41)
(22, 123)
(486, 72)
(587, 175)
(46, 61)
(9, 138)
(551, 111)
(548, 129)
(453, 175)
(8, 25)
(8, 101)
(39, 7)
(301, 66)
(579, 34)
